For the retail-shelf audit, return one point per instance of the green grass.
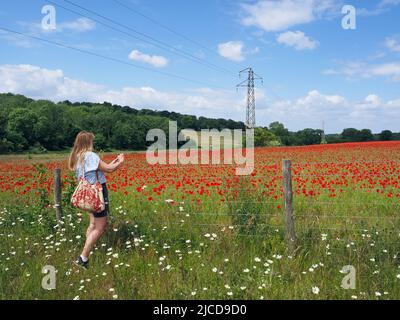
(156, 250)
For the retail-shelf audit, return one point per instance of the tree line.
(41, 125)
(36, 126)
(316, 136)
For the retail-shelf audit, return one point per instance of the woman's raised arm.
(112, 166)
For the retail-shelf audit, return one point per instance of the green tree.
(121, 136)
(3, 124)
(100, 142)
(263, 138)
(386, 135)
(308, 136)
(279, 130)
(19, 143)
(365, 135)
(350, 134)
(23, 121)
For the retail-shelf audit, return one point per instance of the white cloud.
(381, 7)
(392, 44)
(337, 111)
(354, 70)
(232, 50)
(307, 111)
(39, 83)
(155, 61)
(386, 3)
(386, 69)
(78, 25)
(272, 15)
(297, 40)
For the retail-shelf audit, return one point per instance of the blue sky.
(313, 69)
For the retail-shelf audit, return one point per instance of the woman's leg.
(100, 225)
(91, 225)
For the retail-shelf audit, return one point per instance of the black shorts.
(106, 211)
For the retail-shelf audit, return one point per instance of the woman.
(83, 157)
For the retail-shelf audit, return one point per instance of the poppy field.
(201, 232)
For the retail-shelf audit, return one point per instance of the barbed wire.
(232, 226)
(277, 215)
(345, 217)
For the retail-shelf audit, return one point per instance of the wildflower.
(315, 290)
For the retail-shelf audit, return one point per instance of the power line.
(171, 75)
(164, 26)
(153, 41)
(163, 47)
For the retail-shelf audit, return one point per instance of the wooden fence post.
(288, 195)
(57, 194)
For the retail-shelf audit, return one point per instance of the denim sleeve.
(92, 162)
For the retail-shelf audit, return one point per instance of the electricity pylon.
(251, 98)
(323, 137)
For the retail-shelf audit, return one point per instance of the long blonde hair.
(83, 143)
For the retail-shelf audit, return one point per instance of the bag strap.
(83, 166)
(83, 169)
